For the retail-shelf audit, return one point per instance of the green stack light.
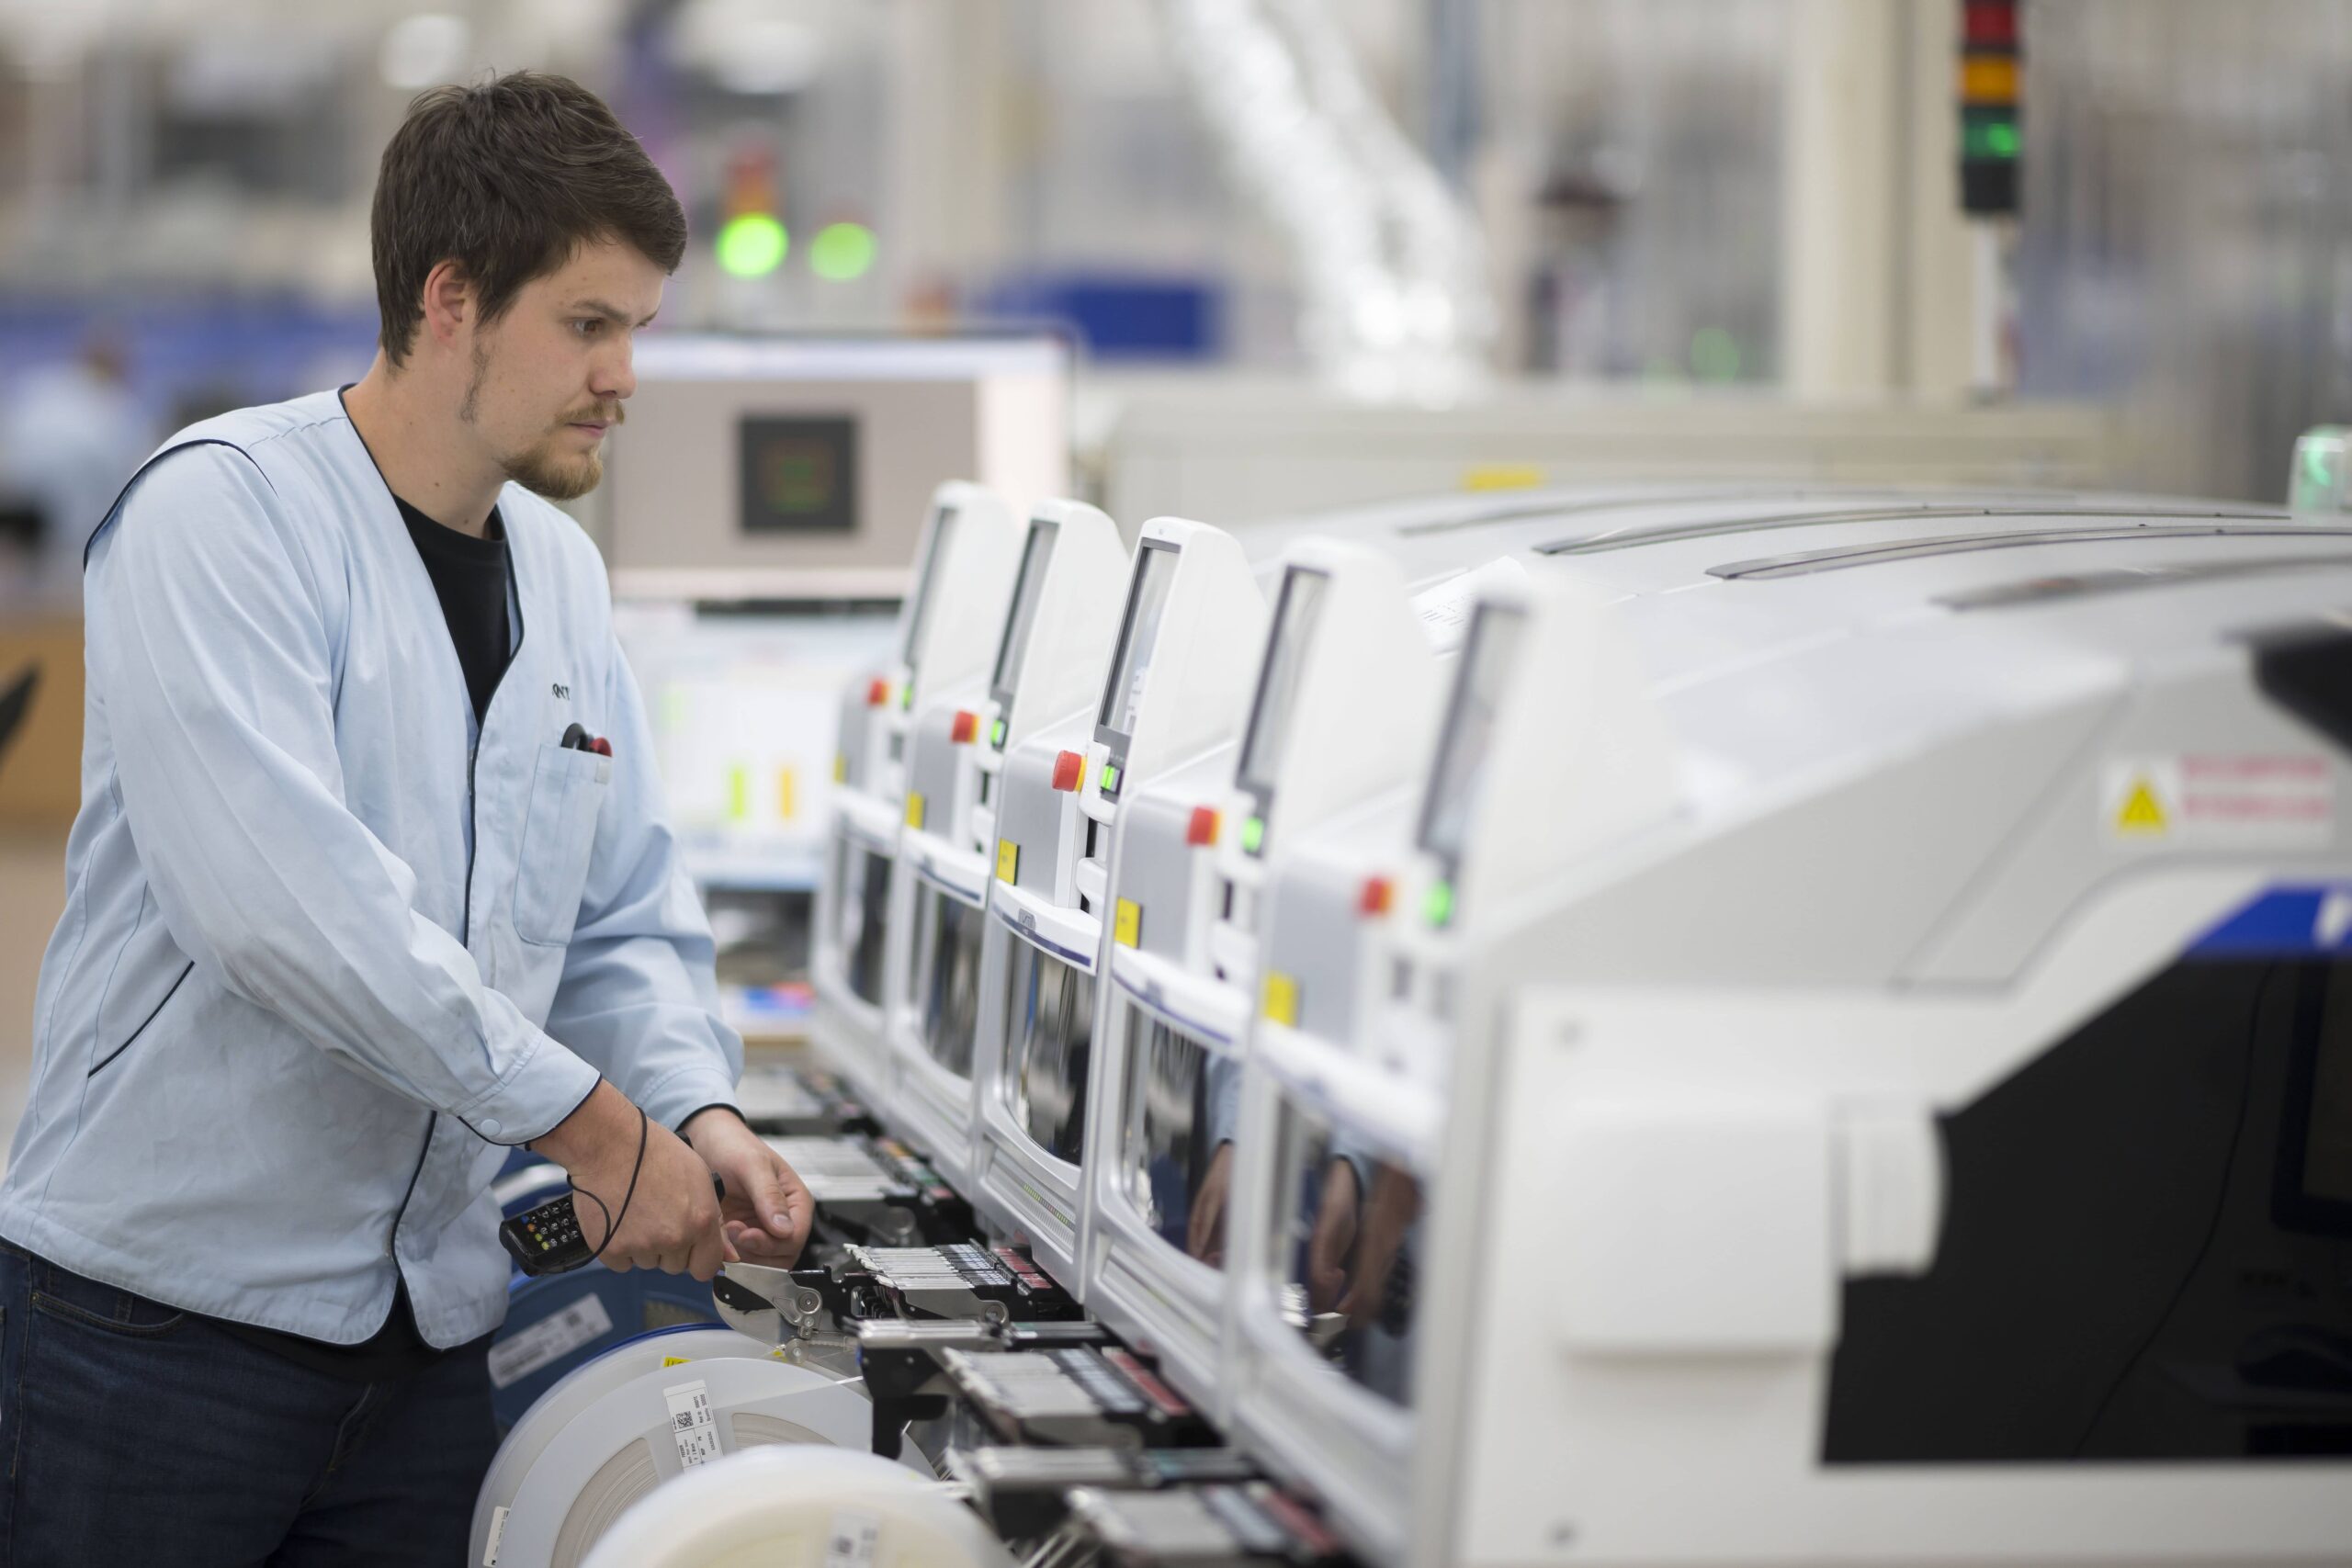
(752, 245)
(841, 252)
(1437, 904)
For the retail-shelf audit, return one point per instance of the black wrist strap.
(613, 1220)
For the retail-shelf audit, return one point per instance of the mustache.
(595, 413)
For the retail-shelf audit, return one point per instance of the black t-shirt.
(469, 576)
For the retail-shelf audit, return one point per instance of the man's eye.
(588, 326)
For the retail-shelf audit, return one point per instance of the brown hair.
(507, 178)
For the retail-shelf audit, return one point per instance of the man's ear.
(448, 302)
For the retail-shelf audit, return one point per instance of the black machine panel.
(2147, 1250)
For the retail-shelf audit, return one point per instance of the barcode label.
(693, 1423)
(549, 1340)
(855, 1541)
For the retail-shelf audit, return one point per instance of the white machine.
(1174, 681)
(946, 634)
(795, 468)
(1051, 648)
(1843, 1060)
(1345, 693)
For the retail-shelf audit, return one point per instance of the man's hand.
(768, 1210)
(672, 1221)
(1334, 1237)
(1204, 1228)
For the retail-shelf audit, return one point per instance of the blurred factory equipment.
(1396, 302)
(800, 469)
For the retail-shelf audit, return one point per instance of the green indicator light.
(752, 245)
(1110, 777)
(1253, 833)
(996, 733)
(1437, 905)
(1714, 355)
(1991, 135)
(906, 695)
(841, 252)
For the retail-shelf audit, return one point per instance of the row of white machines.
(1651, 1025)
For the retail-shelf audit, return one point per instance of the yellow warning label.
(788, 781)
(1281, 999)
(1126, 923)
(914, 809)
(1502, 476)
(2141, 811)
(675, 1360)
(1008, 860)
(841, 767)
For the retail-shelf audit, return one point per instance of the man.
(369, 884)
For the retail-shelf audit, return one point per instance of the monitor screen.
(935, 552)
(1469, 729)
(798, 475)
(2327, 1130)
(1300, 607)
(1036, 554)
(1146, 602)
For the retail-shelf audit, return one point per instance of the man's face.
(550, 374)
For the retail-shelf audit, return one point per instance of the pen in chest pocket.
(577, 739)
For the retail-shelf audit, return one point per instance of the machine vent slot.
(2123, 579)
(1805, 563)
(1721, 527)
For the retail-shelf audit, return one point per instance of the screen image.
(1469, 729)
(935, 553)
(1049, 1032)
(799, 476)
(1146, 602)
(1346, 1249)
(1176, 1133)
(1295, 621)
(1036, 555)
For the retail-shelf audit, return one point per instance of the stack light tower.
(1992, 144)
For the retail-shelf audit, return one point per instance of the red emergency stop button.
(1201, 829)
(1068, 766)
(966, 726)
(877, 694)
(1373, 899)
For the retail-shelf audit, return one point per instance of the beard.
(543, 467)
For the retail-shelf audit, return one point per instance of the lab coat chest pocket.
(558, 837)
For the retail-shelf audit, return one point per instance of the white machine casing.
(1191, 617)
(1055, 634)
(1345, 690)
(955, 603)
(1750, 949)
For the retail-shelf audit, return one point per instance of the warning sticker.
(1008, 860)
(2219, 799)
(1126, 923)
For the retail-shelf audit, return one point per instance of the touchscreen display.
(926, 582)
(1036, 554)
(1469, 729)
(1294, 620)
(1146, 602)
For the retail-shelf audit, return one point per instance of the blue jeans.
(132, 1432)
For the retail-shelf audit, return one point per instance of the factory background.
(1395, 291)
(1696, 203)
